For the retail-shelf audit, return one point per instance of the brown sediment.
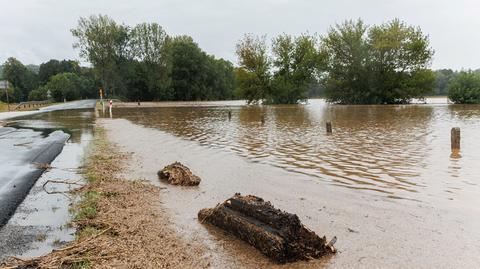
(178, 174)
(119, 223)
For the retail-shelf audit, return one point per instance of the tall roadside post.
(101, 100)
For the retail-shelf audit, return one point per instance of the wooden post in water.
(263, 119)
(229, 115)
(455, 138)
(329, 127)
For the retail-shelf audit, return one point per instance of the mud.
(375, 230)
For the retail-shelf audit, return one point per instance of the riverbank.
(119, 222)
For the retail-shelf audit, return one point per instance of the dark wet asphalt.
(26, 145)
(38, 222)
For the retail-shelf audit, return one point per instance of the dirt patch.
(119, 224)
(178, 174)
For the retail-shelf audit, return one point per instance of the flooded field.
(385, 182)
(402, 152)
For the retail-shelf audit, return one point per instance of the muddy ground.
(372, 231)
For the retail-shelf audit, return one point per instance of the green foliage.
(104, 43)
(296, 61)
(54, 67)
(465, 88)
(62, 86)
(22, 79)
(387, 63)
(196, 75)
(144, 63)
(253, 75)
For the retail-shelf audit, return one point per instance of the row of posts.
(455, 133)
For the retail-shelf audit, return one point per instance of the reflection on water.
(398, 151)
(75, 122)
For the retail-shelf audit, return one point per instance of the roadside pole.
(6, 93)
(101, 100)
(110, 104)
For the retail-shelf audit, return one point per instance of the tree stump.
(277, 234)
(178, 174)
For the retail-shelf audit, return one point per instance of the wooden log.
(455, 138)
(277, 234)
(329, 127)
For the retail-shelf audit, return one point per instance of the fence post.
(455, 138)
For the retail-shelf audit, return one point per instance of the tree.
(54, 67)
(64, 86)
(105, 44)
(399, 57)
(296, 61)
(253, 75)
(149, 45)
(465, 88)
(22, 79)
(347, 49)
(381, 64)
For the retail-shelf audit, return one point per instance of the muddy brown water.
(385, 182)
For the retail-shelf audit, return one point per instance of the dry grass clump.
(119, 223)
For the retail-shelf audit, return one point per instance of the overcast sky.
(35, 31)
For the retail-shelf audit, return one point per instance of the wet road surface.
(26, 145)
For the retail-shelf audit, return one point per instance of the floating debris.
(178, 174)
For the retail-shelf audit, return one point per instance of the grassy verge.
(3, 107)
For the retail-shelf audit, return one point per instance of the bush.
(465, 88)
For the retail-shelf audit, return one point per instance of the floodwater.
(384, 182)
(39, 222)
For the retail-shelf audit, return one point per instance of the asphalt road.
(23, 155)
(80, 104)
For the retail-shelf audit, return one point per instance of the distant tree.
(443, 77)
(465, 88)
(399, 57)
(54, 67)
(22, 78)
(149, 45)
(64, 86)
(253, 75)
(296, 61)
(387, 63)
(347, 49)
(104, 43)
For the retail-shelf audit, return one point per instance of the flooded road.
(384, 182)
(39, 222)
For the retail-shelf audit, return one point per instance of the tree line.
(145, 63)
(352, 64)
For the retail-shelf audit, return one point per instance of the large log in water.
(277, 234)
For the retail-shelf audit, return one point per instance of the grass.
(3, 107)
